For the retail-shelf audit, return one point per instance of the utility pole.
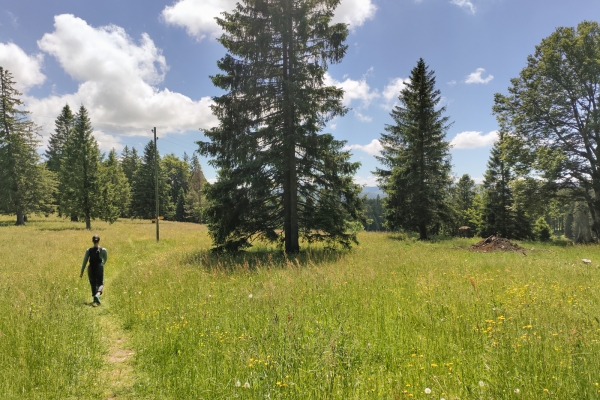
(156, 183)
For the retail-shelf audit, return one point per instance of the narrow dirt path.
(117, 375)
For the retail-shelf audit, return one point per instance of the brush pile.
(495, 243)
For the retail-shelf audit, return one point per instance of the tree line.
(76, 180)
(543, 174)
(280, 178)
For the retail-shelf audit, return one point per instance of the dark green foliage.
(569, 226)
(62, 128)
(552, 112)
(498, 214)
(278, 178)
(143, 196)
(417, 179)
(130, 162)
(195, 201)
(178, 175)
(542, 230)
(26, 186)
(114, 189)
(180, 206)
(79, 185)
(464, 194)
(375, 215)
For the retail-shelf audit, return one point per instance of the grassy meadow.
(391, 319)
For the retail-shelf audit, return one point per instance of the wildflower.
(517, 391)
(247, 385)
(427, 391)
(250, 296)
(238, 383)
(481, 383)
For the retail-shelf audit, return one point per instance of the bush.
(542, 230)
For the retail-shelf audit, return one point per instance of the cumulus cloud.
(392, 91)
(464, 4)
(355, 91)
(26, 69)
(374, 148)
(355, 12)
(198, 16)
(452, 82)
(107, 142)
(475, 77)
(117, 81)
(473, 139)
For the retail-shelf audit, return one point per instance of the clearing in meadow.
(390, 319)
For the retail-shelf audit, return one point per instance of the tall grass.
(389, 319)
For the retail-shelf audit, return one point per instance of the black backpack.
(94, 253)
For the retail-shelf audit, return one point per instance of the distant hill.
(372, 192)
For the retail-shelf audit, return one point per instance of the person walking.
(97, 257)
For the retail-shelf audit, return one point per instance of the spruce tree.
(130, 162)
(115, 193)
(417, 179)
(180, 206)
(79, 171)
(499, 217)
(62, 127)
(143, 195)
(25, 185)
(279, 178)
(463, 194)
(195, 199)
(178, 173)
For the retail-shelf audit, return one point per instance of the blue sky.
(138, 64)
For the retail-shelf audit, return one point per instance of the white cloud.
(355, 90)
(473, 140)
(198, 16)
(26, 70)
(108, 142)
(374, 148)
(366, 181)
(392, 91)
(475, 77)
(452, 82)
(361, 117)
(117, 81)
(355, 12)
(464, 4)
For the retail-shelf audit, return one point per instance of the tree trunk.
(88, 223)
(422, 232)
(20, 218)
(290, 186)
(74, 218)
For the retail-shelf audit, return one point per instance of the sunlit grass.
(388, 319)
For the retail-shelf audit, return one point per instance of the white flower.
(481, 383)
(427, 391)
(517, 391)
(247, 385)
(238, 383)
(250, 296)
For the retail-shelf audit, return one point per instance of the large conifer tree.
(62, 128)
(195, 200)
(79, 185)
(417, 157)
(143, 196)
(278, 177)
(115, 193)
(25, 184)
